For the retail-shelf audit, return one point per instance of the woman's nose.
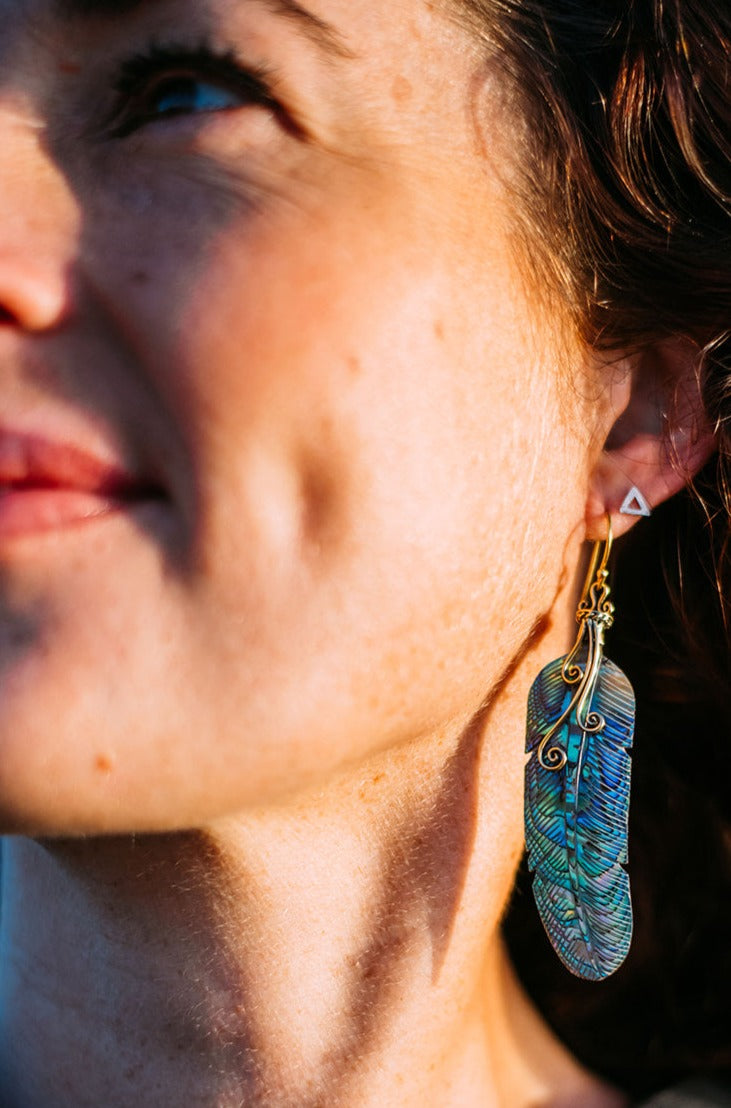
(39, 224)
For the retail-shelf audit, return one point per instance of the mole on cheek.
(401, 90)
(103, 764)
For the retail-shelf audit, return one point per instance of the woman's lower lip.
(34, 511)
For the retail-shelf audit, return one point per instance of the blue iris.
(189, 94)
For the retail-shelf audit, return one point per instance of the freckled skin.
(305, 665)
(334, 525)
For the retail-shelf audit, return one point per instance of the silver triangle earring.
(634, 504)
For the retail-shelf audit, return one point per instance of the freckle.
(139, 277)
(354, 365)
(69, 67)
(439, 330)
(103, 764)
(401, 90)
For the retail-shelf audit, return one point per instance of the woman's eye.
(172, 81)
(179, 95)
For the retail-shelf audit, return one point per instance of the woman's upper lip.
(33, 461)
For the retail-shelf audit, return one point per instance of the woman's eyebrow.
(322, 33)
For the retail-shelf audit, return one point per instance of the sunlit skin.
(361, 464)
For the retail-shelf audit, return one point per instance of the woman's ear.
(659, 442)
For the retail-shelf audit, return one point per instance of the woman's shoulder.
(699, 1093)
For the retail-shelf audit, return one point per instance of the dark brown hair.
(626, 197)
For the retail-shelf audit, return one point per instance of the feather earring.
(581, 712)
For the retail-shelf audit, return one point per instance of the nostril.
(33, 300)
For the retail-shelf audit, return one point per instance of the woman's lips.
(47, 486)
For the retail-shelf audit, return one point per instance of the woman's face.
(289, 456)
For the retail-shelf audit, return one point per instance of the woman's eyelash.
(138, 74)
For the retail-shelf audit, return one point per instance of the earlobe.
(658, 444)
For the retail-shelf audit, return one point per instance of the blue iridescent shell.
(576, 821)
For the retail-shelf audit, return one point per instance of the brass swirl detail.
(594, 615)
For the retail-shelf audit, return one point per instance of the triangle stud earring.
(634, 504)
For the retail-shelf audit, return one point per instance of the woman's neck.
(343, 951)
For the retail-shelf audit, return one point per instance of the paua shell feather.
(576, 821)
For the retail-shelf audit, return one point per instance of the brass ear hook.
(595, 566)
